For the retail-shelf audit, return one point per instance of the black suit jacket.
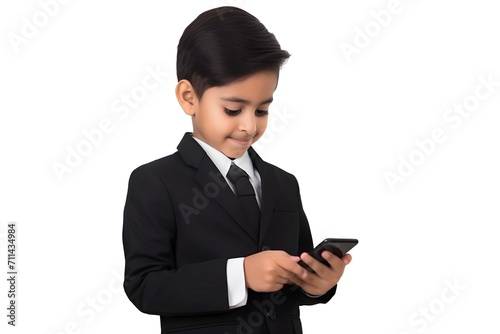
(182, 223)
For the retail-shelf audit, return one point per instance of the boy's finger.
(293, 267)
(335, 262)
(314, 264)
(347, 259)
(293, 279)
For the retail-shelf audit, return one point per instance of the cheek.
(262, 124)
(211, 121)
(261, 127)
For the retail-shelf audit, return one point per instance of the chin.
(234, 154)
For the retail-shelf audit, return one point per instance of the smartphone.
(338, 247)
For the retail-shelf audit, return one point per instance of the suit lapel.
(212, 182)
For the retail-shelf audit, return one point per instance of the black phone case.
(338, 247)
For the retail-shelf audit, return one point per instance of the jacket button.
(271, 315)
(265, 248)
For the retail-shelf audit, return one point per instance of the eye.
(261, 112)
(232, 112)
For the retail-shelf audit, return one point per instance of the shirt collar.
(222, 162)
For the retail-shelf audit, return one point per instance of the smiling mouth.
(244, 141)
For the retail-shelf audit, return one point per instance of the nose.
(248, 122)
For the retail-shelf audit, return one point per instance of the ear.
(186, 96)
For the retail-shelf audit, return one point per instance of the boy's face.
(231, 118)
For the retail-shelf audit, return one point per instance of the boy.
(212, 234)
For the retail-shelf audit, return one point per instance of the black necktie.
(246, 196)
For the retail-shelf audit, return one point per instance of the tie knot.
(241, 180)
(236, 173)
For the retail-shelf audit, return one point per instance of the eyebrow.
(238, 100)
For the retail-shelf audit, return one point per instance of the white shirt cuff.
(236, 289)
(313, 296)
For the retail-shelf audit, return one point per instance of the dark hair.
(225, 44)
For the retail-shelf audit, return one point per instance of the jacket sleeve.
(153, 283)
(305, 245)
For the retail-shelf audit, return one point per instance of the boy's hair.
(225, 44)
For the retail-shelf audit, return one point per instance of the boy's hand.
(325, 277)
(268, 271)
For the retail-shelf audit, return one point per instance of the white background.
(354, 117)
